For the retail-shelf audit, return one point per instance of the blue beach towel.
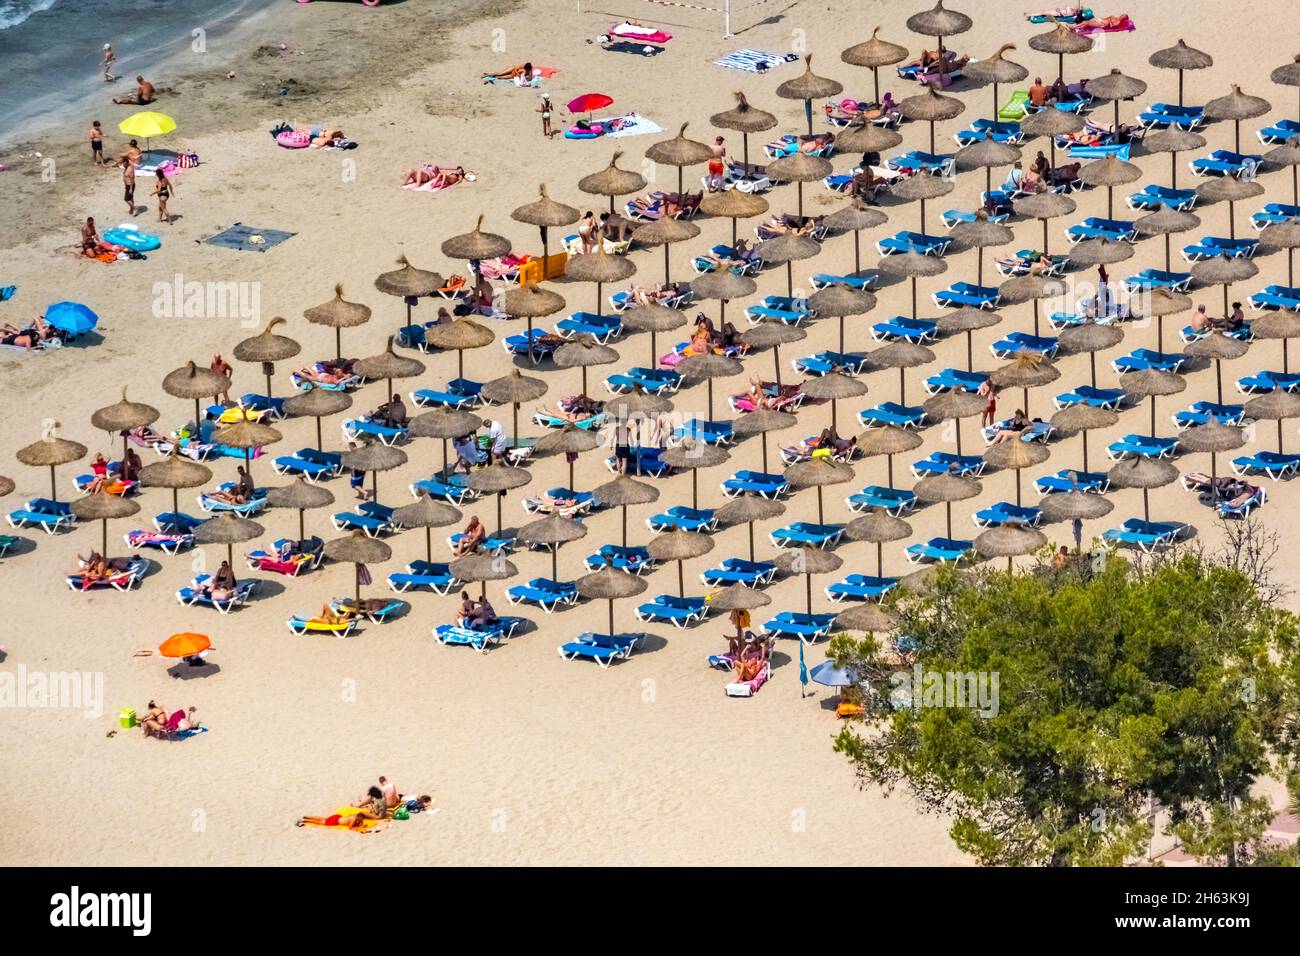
(754, 61)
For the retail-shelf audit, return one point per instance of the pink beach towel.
(1124, 25)
(293, 139)
(642, 34)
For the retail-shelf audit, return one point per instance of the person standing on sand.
(163, 190)
(545, 110)
(715, 164)
(223, 368)
(106, 63)
(128, 187)
(97, 143)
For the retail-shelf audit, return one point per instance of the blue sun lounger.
(998, 131)
(1120, 151)
(271, 409)
(477, 638)
(1199, 413)
(967, 293)
(1165, 114)
(1271, 463)
(175, 522)
(656, 381)
(1039, 431)
(806, 533)
(947, 463)
(1276, 297)
(358, 428)
(497, 543)
(310, 463)
(528, 343)
(824, 280)
(1151, 197)
(1275, 212)
(674, 610)
(1243, 509)
(1069, 479)
(250, 507)
(1110, 398)
(634, 559)
(1007, 348)
(1283, 131)
(940, 550)
(435, 576)
(1023, 262)
(1147, 536)
(602, 328)
(1141, 446)
(908, 241)
(193, 595)
(806, 627)
(760, 483)
(896, 501)
(460, 393)
(454, 490)
(644, 461)
(955, 380)
(416, 336)
(1099, 227)
(1224, 162)
(622, 300)
(590, 423)
(1242, 333)
(860, 587)
(44, 513)
(546, 593)
(371, 517)
(1262, 382)
(1003, 514)
(950, 217)
(1149, 279)
(1212, 247)
(751, 574)
(1142, 359)
(680, 517)
(604, 649)
(916, 161)
(915, 331)
(892, 413)
(698, 429)
(823, 363)
(743, 265)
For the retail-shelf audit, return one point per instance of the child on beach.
(96, 143)
(106, 63)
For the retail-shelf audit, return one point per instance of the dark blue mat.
(238, 236)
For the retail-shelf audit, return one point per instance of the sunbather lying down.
(434, 177)
(328, 371)
(939, 61)
(575, 408)
(812, 143)
(32, 336)
(1118, 22)
(549, 504)
(789, 223)
(1225, 487)
(664, 292)
(475, 614)
(853, 109)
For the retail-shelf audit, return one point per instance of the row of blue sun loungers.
(656, 381)
(1166, 114)
(545, 593)
(807, 533)
(860, 587)
(916, 331)
(1149, 279)
(998, 130)
(896, 501)
(824, 280)
(1224, 162)
(529, 342)
(698, 429)
(1262, 382)
(604, 649)
(1244, 333)
(682, 518)
(1151, 196)
(746, 265)
(634, 559)
(1140, 360)
(955, 380)
(892, 413)
(918, 242)
(1275, 212)
(1147, 535)
(823, 363)
(759, 483)
(422, 575)
(1271, 463)
(48, 515)
(1016, 342)
(1141, 446)
(791, 310)
(358, 429)
(454, 489)
(948, 463)
(750, 574)
(967, 294)
(311, 464)
(1199, 413)
(602, 328)
(1068, 479)
(1276, 297)
(939, 550)
(1099, 227)
(622, 300)
(1061, 320)
(459, 393)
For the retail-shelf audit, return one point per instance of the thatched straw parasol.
(1216, 347)
(1224, 271)
(744, 119)
(1144, 473)
(1172, 140)
(497, 480)
(1109, 171)
(460, 336)
(482, 568)
(1100, 252)
(338, 314)
(1150, 382)
(476, 244)
(967, 319)
(1008, 542)
(939, 22)
(912, 265)
(788, 248)
(122, 416)
(228, 529)
(610, 585)
(300, 496)
(544, 213)
(1045, 206)
(1278, 325)
(599, 267)
(359, 550)
(1076, 506)
(317, 404)
(954, 406)
(428, 514)
(1288, 74)
(737, 597)
(979, 235)
(878, 527)
(374, 458)
(388, 365)
(1016, 456)
(1165, 221)
(247, 435)
(1061, 41)
(1278, 236)
(985, 154)
(746, 510)
(50, 452)
(1180, 57)
(1081, 419)
(773, 335)
(996, 70)
(653, 319)
(1236, 106)
(664, 232)
(551, 532)
(678, 545)
(947, 489)
(832, 387)
(268, 348)
(760, 423)
(190, 381)
(873, 54)
(1230, 190)
(531, 302)
(922, 188)
(1051, 123)
(818, 473)
(1116, 86)
(931, 107)
(512, 390)
(902, 356)
(709, 366)
(1158, 303)
(1275, 406)
(680, 152)
(854, 218)
(1090, 338)
(175, 472)
(635, 404)
(569, 441)
(863, 137)
(408, 283)
(1027, 370)
(808, 561)
(101, 506)
(734, 205)
(612, 181)
(622, 492)
(1213, 438)
(840, 302)
(693, 454)
(583, 352)
(871, 618)
(723, 286)
(6, 486)
(799, 168)
(809, 87)
(444, 423)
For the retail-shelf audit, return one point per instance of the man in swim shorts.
(128, 187)
(144, 94)
(716, 164)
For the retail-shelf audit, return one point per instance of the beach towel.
(627, 46)
(1117, 24)
(367, 826)
(613, 127)
(248, 239)
(628, 30)
(754, 61)
(539, 73)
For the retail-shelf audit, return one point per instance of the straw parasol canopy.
(1090, 337)
(888, 441)
(532, 302)
(1279, 236)
(808, 561)
(1274, 406)
(175, 472)
(1173, 141)
(1081, 418)
(733, 204)
(374, 458)
(746, 510)
(693, 454)
(873, 54)
(866, 617)
(358, 549)
(799, 168)
(922, 188)
(1051, 123)
(612, 181)
(788, 248)
(818, 473)
(1100, 252)
(1009, 542)
(863, 137)
(1162, 302)
(497, 480)
(932, 107)
(268, 348)
(1224, 271)
(954, 405)
(6, 486)
(1150, 383)
(124, 415)
(939, 22)
(773, 335)
(426, 513)
(599, 268)
(1288, 74)
(934, 489)
(300, 495)
(1166, 221)
(980, 233)
(708, 367)
(680, 152)
(623, 492)
(513, 388)
(967, 319)
(610, 585)
(853, 218)
(1217, 347)
(809, 87)
(680, 546)
(878, 527)
(1181, 57)
(1060, 41)
(569, 440)
(1144, 473)
(228, 529)
(317, 404)
(1016, 456)
(545, 212)
(1109, 171)
(476, 244)
(551, 532)
(653, 318)
(901, 355)
(1027, 370)
(722, 285)
(1231, 190)
(997, 68)
(388, 365)
(1045, 206)
(408, 282)
(833, 386)
(482, 568)
(338, 314)
(50, 452)
(190, 381)
(1116, 86)
(1213, 437)
(986, 153)
(1236, 106)
(743, 117)
(737, 597)
(760, 423)
(247, 435)
(840, 302)
(1071, 505)
(583, 352)
(460, 336)
(102, 506)
(638, 403)
(663, 232)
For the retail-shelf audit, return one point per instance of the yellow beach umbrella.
(147, 124)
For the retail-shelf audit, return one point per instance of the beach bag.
(402, 813)
(187, 159)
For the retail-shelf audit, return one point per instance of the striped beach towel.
(754, 61)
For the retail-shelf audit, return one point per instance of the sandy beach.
(531, 759)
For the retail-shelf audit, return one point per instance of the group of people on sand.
(476, 615)
(1040, 176)
(144, 94)
(429, 176)
(37, 335)
(94, 568)
(706, 337)
(157, 723)
(381, 802)
(1202, 321)
(611, 227)
(471, 453)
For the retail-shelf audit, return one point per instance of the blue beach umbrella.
(827, 674)
(71, 317)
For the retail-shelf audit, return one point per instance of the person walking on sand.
(97, 143)
(715, 164)
(545, 110)
(106, 63)
(224, 369)
(163, 190)
(128, 187)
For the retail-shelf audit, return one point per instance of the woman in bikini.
(587, 231)
(163, 189)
